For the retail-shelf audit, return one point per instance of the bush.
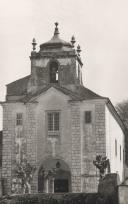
(68, 198)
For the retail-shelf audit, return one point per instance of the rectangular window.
(123, 156)
(53, 120)
(115, 147)
(120, 152)
(19, 119)
(88, 116)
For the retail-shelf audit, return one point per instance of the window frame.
(53, 132)
(19, 121)
(88, 117)
(123, 155)
(116, 150)
(120, 152)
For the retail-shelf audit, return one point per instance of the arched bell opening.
(54, 177)
(53, 72)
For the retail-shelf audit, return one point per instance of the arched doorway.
(54, 177)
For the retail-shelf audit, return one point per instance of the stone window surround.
(19, 119)
(52, 133)
(88, 117)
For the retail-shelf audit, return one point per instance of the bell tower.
(56, 63)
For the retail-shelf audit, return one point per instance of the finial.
(78, 50)
(73, 40)
(56, 32)
(34, 44)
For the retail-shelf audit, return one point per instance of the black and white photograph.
(63, 102)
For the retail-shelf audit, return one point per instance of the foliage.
(23, 174)
(68, 198)
(102, 163)
(122, 109)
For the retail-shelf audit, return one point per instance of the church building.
(59, 125)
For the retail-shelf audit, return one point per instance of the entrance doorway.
(61, 186)
(54, 177)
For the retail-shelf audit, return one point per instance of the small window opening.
(54, 72)
(19, 119)
(88, 117)
(123, 156)
(115, 147)
(120, 153)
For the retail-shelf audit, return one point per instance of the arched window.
(54, 72)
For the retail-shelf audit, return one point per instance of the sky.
(99, 26)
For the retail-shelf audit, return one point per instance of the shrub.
(68, 198)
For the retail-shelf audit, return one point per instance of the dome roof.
(56, 41)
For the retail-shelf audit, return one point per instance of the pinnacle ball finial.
(34, 44)
(34, 40)
(56, 24)
(78, 50)
(56, 32)
(73, 40)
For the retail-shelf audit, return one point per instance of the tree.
(23, 175)
(102, 163)
(122, 109)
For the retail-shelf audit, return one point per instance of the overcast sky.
(100, 27)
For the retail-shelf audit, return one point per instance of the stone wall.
(9, 141)
(8, 125)
(100, 128)
(93, 142)
(67, 70)
(123, 194)
(76, 147)
(52, 147)
(31, 139)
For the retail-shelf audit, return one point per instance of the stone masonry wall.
(93, 143)
(7, 146)
(100, 128)
(9, 135)
(40, 68)
(76, 147)
(31, 135)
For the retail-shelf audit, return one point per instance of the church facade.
(56, 123)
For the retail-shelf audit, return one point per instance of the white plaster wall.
(114, 131)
